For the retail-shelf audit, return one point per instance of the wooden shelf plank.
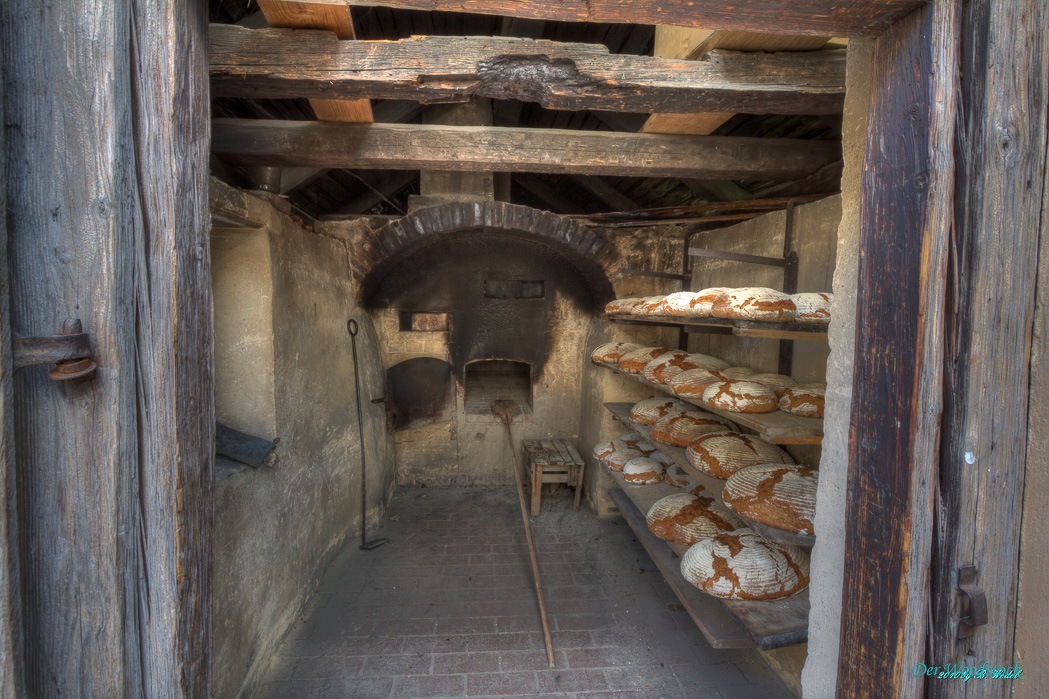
(715, 485)
(776, 427)
(745, 328)
(769, 623)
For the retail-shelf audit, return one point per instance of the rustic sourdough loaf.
(702, 305)
(643, 471)
(619, 458)
(779, 495)
(679, 430)
(743, 565)
(812, 307)
(636, 361)
(621, 306)
(805, 400)
(754, 303)
(612, 352)
(651, 410)
(602, 450)
(648, 306)
(685, 518)
(692, 383)
(737, 372)
(654, 369)
(779, 383)
(720, 454)
(678, 304)
(740, 397)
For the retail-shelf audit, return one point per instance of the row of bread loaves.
(753, 303)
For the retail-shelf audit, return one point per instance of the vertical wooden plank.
(11, 660)
(70, 217)
(1001, 176)
(174, 342)
(906, 211)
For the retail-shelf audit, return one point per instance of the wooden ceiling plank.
(277, 64)
(409, 146)
(333, 18)
(819, 17)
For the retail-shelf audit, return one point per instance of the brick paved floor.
(447, 609)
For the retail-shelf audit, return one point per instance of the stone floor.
(447, 609)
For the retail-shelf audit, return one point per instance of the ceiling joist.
(274, 63)
(821, 17)
(432, 147)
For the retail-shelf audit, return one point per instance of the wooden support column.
(906, 214)
(470, 184)
(106, 141)
(999, 216)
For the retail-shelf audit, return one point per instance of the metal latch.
(967, 577)
(69, 351)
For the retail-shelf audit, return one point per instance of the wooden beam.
(1003, 135)
(821, 17)
(269, 63)
(608, 194)
(378, 192)
(328, 17)
(411, 147)
(897, 391)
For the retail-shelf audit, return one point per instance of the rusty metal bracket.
(69, 351)
(967, 579)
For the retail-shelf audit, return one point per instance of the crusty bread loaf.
(602, 450)
(680, 479)
(679, 430)
(779, 383)
(703, 304)
(661, 458)
(648, 306)
(779, 495)
(636, 361)
(740, 397)
(733, 373)
(643, 471)
(654, 369)
(651, 410)
(619, 458)
(743, 565)
(636, 440)
(720, 454)
(754, 303)
(805, 400)
(692, 383)
(678, 304)
(612, 352)
(812, 307)
(685, 518)
(621, 306)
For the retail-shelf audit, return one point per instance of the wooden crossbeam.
(422, 147)
(270, 63)
(823, 17)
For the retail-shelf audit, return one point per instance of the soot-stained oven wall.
(276, 528)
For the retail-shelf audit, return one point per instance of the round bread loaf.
(702, 305)
(743, 565)
(686, 518)
(619, 458)
(740, 397)
(680, 479)
(779, 495)
(755, 303)
(648, 306)
(645, 447)
(654, 369)
(651, 410)
(733, 373)
(612, 352)
(643, 471)
(692, 383)
(661, 458)
(812, 307)
(636, 361)
(678, 304)
(779, 383)
(602, 450)
(621, 306)
(689, 363)
(679, 430)
(632, 438)
(805, 400)
(721, 454)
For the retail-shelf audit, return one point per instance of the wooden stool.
(552, 461)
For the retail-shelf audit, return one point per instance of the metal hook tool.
(366, 545)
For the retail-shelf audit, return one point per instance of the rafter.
(572, 76)
(408, 147)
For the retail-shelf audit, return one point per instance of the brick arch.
(379, 250)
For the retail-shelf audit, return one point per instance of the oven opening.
(489, 380)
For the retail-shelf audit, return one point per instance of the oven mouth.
(489, 380)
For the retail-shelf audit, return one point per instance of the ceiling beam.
(271, 63)
(421, 147)
(822, 17)
(378, 192)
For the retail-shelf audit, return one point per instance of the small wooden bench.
(552, 461)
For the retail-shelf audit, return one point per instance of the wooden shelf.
(725, 326)
(768, 624)
(621, 411)
(776, 427)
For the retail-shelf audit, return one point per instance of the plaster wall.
(276, 528)
(828, 556)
